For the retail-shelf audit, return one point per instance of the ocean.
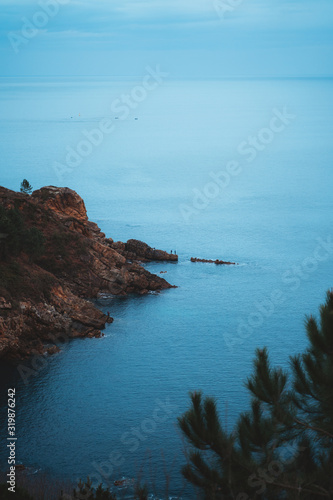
(239, 170)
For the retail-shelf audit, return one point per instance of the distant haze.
(187, 38)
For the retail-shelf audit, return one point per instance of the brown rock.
(4, 304)
(52, 350)
(20, 467)
(210, 261)
(79, 262)
(63, 201)
(137, 250)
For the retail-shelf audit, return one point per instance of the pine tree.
(282, 447)
(26, 187)
(85, 491)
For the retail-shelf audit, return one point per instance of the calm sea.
(111, 405)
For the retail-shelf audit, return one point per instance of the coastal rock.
(20, 467)
(4, 304)
(137, 250)
(62, 201)
(44, 299)
(216, 261)
(52, 350)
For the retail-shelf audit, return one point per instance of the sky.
(188, 38)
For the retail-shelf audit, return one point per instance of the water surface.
(99, 396)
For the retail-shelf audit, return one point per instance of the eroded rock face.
(4, 304)
(78, 263)
(62, 201)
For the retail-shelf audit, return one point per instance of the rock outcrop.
(46, 296)
(139, 251)
(216, 261)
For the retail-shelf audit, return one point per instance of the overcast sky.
(187, 38)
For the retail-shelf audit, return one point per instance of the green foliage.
(11, 227)
(40, 285)
(16, 282)
(10, 276)
(63, 252)
(84, 491)
(16, 238)
(20, 493)
(283, 446)
(26, 187)
(60, 242)
(33, 242)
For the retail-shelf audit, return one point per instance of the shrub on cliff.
(11, 275)
(64, 250)
(283, 446)
(33, 242)
(16, 238)
(26, 187)
(11, 227)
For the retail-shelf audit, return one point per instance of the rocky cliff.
(53, 261)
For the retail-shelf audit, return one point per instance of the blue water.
(271, 219)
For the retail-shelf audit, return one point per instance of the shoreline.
(46, 287)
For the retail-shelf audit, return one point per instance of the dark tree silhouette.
(282, 448)
(26, 187)
(85, 491)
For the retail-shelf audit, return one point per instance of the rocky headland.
(52, 259)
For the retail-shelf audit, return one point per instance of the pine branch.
(316, 429)
(300, 489)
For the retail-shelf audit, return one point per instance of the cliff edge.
(52, 258)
